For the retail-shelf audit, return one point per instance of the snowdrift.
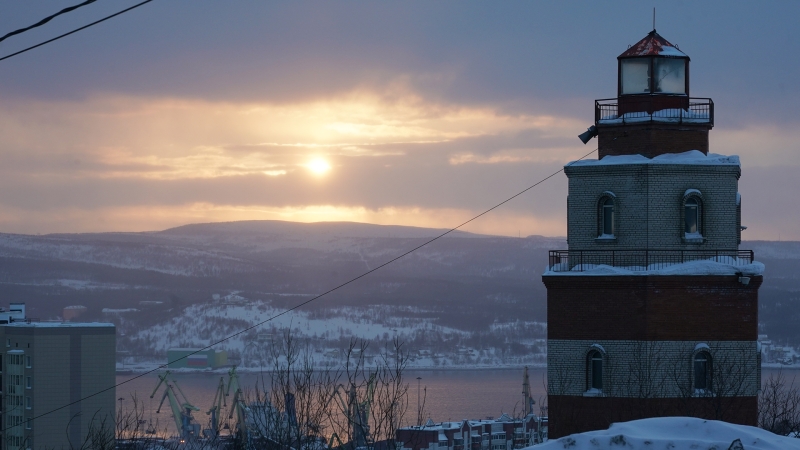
(673, 433)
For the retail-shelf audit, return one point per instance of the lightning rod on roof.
(654, 18)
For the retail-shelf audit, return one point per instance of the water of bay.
(446, 394)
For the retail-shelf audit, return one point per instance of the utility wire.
(352, 280)
(45, 20)
(68, 33)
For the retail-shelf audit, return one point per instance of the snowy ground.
(673, 433)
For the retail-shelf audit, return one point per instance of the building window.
(28, 403)
(606, 223)
(693, 217)
(702, 372)
(28, 362)
(594, 372)
(28, 383)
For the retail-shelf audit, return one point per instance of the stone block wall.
(652, 369)
(648, 205)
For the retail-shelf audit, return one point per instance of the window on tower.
(701, 366)
(693, 217)
(594, 371)
(605, 214)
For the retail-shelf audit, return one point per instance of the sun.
(318, 166)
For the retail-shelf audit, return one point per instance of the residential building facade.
(55, 383)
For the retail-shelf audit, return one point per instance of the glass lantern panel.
(670, 75)
(636, 76)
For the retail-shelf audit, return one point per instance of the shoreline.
(250, 370)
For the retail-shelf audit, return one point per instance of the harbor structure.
(653, 308)
(48, 365)
(503, 433)
(196, 358)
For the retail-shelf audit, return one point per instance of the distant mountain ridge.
(464, 281)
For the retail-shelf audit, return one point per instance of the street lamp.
(419, 407)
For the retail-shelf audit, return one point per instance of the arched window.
(691, 216)
(608, 217)
(594, 372)
(701, 366)
(606, 223)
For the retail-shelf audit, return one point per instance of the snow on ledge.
(726, 266)
(692, 157)
(674, 433)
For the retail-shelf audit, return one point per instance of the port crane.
(181, 412)
(216, 409)
(357, 413)
(238, 407)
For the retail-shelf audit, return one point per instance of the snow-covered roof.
(724, 266)
(675, 433)
(59, 324)
(653, 45)
(692, 157)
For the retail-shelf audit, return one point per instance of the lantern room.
(653, 66)
(652, 113)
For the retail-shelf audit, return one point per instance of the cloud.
(396, 156)
(426, 112)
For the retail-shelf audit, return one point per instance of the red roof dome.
(653, 45)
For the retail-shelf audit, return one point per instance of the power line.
(45, 20)
(73, 31)
(299, 305)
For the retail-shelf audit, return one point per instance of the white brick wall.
(649, 205)
(652, 368)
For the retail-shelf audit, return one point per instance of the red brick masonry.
(579, 414)
(652, 307)
(651, 139)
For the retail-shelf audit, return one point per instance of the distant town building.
(73, 312)
(653, 309)
(47, 365)
(15, 312)
(503, 433)
(178, 358)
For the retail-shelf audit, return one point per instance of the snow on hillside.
(673, 433)
(326, 332)
(202, 325)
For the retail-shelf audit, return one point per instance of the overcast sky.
(410, 113)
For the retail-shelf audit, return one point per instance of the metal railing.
(655, 108)
(642, 259)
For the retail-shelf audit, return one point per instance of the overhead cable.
(299, 305)
(67, 33)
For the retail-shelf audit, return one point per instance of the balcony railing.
(641, 260)
(654, 108)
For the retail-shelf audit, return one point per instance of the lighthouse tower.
(653, 309)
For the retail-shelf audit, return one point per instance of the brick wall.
(649, 205)
(651, 139)
(652, 369)
(570, 415)
(652, 307)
